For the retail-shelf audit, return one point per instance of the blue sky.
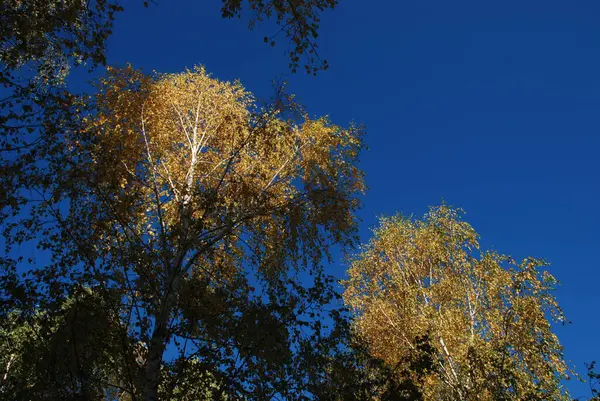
(491, 106)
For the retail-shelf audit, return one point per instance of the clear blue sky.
(492, 106)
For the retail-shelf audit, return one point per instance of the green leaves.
(65, 352)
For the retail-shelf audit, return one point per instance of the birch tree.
(41, 41)
(200, 209)
(487, 317)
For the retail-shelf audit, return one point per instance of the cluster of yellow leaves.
(486, 317)
(183, 158)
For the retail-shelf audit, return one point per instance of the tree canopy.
(181, 229)
(196, 208)
(485, 316)
(41, 41)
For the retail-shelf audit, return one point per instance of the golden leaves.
(183, 159)
(200, 189)
(487, 317)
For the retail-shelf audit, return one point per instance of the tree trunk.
(161, 333)
(157, 348)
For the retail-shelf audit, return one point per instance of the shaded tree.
(40, 41)
(299, 22)
(593, 381)
(52, 35)
(68, 352)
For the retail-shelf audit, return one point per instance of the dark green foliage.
(594, 381)
(299, 21)
(69, 352)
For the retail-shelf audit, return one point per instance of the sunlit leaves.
(198, 208)
(487, 316)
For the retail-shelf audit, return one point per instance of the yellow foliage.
(486, 317)
(196, 187)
